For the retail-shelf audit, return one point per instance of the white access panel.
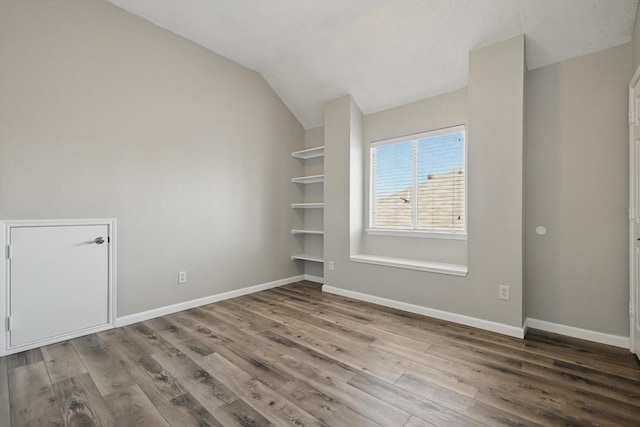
(58, 282)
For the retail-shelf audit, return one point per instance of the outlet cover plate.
(503, 292)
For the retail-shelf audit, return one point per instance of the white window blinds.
(418, 182)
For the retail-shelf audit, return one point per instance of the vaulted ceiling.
(384, 53)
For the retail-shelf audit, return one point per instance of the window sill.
(412, 264)
(420, 234)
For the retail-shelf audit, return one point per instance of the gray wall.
(339, 116)
(496, 101)
(495, 152)
(106, 115)
(635, 43)
(577, 187)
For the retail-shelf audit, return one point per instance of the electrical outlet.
(503, 292)
(182, 277)
(331, 265)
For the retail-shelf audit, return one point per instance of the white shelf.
(311, 153)
(308, 179)
(307, 205)
(307, 232)
(306, 257)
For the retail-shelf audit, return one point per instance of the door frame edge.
(632, 205)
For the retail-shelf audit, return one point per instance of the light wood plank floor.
(297, 356)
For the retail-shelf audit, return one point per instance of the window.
(418, 183)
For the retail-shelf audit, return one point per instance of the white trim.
(57, 339)
(584, 334)
(311, 278)
(635, 78)
(412, 264)
(181, 306)
(414, 187)
(56, 222)
(633, 214)
(525, 326)
(5, 271)
(417, 233)
(371, 205)
(488, 325)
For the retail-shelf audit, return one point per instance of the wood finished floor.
(297, 356)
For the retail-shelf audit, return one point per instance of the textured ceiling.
(384, 53)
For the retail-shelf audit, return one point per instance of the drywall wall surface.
(449, 109)
(635, 43)
(313, 219)
(337, 191)
(577, 187)
(495, 158)
(314, 138)
(495, 101)
(356, 180)
(103, 114)
(438, 112)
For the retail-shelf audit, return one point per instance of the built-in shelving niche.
(311, 232)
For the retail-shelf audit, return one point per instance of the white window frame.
(433, 234)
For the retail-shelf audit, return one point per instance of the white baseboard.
(584, 334)
(501, 328)
(311, 278)
(525, 326)
(174, 308)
